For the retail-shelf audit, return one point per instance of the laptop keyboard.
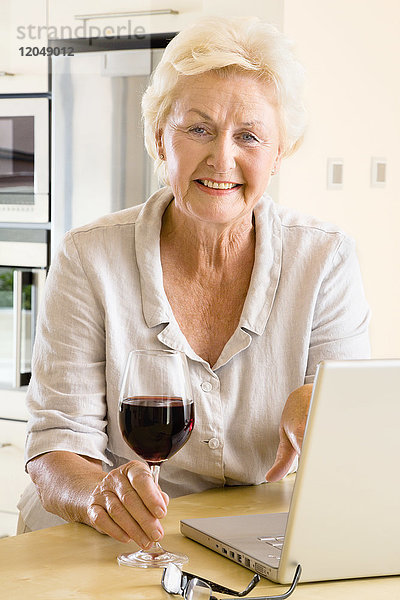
(275, 545)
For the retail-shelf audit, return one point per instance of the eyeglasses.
(191, 587)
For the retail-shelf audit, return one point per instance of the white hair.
(226, 45)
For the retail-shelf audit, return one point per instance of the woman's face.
(221, 141)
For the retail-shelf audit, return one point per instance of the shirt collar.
(266, 269)
(156, 308)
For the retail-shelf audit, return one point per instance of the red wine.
(155, 427)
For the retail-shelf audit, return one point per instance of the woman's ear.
(160, 144)
(277, 162)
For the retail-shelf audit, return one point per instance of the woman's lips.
(217, 187)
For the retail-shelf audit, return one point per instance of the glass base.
(155, 557)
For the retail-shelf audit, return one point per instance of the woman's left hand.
(291, 432)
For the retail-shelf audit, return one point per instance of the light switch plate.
(378, 171)
(335, 174)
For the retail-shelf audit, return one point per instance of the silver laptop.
(344, 516)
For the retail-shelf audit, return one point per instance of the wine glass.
(156, 418)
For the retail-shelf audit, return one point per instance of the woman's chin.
(218, 210)
(218, 215)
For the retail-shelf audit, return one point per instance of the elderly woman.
(254, 294)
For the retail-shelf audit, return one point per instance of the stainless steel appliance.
(99, 163)
(23, 260)
(24, 160)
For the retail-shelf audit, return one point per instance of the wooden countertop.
(75, 562)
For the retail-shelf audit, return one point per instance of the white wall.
(351, 51)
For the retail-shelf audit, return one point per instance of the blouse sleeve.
(341, 315)
(66, 395)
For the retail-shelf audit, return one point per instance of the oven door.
(23, 260)
(24, 160)
(20, 291)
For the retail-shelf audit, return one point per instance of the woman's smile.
(217, 188)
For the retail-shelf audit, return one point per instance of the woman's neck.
(207, 247)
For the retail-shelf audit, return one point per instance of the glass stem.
(155, 548)
(155, 471)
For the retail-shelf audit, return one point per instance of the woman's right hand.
(127, 505)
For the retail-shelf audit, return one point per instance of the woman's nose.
(222, 154)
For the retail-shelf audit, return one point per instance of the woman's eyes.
(246, 136)
(198, 130)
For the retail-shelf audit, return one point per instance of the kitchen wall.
(351, 52)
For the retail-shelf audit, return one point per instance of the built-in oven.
(23, 260)
(24, 160)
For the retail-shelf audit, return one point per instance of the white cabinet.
(117, 18)
(22, 26)
(12, 443)
(98, 18)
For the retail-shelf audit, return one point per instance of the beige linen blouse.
(105, 296)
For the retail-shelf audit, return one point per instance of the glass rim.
(177, 358)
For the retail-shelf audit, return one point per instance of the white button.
(206, 386)
(213, 443)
